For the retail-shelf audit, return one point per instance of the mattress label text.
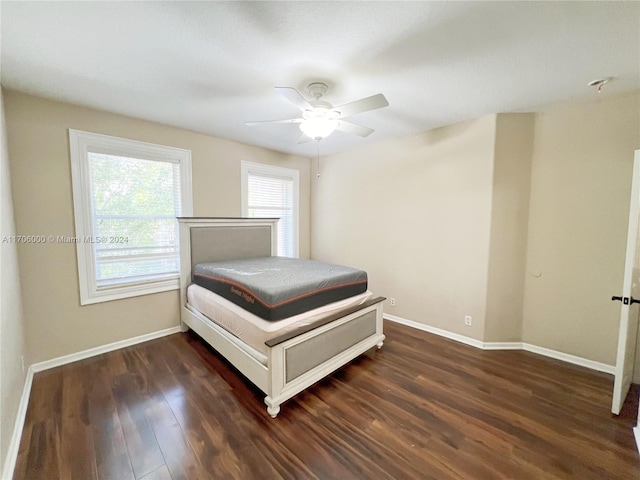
(244, 295)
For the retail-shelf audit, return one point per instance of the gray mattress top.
(279, 279)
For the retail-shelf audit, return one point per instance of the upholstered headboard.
(205, 239)
(218, 243)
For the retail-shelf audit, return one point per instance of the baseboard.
(92, 352)
(565, 357)
(636, 433)
(437, 331)
(16, 435)
(502, 345)
(14, 444)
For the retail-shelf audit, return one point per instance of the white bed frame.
(295, 360)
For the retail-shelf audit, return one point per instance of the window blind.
(273, 196)
(134, 203)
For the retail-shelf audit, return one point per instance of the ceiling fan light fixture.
(318, 128)
(319, 118)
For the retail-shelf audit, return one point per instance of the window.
(269, 191)
(126, 195)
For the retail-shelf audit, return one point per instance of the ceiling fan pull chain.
(318, 157)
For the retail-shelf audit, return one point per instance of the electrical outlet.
(392, 302)
(468, 320)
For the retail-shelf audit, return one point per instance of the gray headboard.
(218, 239)
(212, 244)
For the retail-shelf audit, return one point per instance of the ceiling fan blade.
(294, 97)
(362, 105)
(353, 128)
(289, 120)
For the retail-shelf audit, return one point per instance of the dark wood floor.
(421, 408)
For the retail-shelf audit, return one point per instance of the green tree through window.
(135, 203)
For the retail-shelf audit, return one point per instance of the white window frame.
(80, 145)
(273, 171)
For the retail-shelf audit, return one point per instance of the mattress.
(253, 330)
(274, 288)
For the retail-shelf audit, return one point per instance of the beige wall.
(519, 220)
(12, 328)
(38, 142)
(508, 249)
(415, 213)
(580, 193)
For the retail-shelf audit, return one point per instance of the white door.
(630, 295)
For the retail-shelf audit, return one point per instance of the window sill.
(119, 292)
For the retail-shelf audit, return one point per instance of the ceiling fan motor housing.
(320, 109)
(317, 89)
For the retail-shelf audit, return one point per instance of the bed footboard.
(296, 362)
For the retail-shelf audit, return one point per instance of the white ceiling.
(211, 66)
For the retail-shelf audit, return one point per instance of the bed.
(281, 356)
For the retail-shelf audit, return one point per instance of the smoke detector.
(599, 83)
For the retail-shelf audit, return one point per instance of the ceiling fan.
(319, 118)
